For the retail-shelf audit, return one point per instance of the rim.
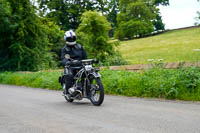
(95, 91)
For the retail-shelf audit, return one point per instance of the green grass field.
(172, 46)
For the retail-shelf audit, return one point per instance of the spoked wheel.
(96, 92)
(66, 94)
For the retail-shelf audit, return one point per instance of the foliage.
(24, 44)
(138, 18)
(159, 83)
(113, 10)
(135, 19)
(55, 38)
(198, 17)
(114, 60)
(133, 29)
(113, 7)
(158, 24)
(67, 13)
(182, 84)
(197, 23)
(161, 2)
(172, 46)
(93, 34)
(27, 42)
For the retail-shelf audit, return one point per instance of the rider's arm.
(64, 60)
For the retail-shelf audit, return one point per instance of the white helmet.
(70, 37)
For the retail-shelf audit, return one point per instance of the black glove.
(68, 63)
(76, 62)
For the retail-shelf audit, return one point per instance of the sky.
(180, 13)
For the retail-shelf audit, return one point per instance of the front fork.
(86, 85)
(87, 82)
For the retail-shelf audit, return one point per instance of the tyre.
(96, 92)
(66, 94)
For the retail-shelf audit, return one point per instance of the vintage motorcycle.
(86, 83)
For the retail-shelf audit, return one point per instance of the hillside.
(172, 46)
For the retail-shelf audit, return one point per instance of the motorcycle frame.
(79, 77)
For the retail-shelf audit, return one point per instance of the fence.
(139, 67)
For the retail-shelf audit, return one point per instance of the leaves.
(24, 37)
(138, 18)
(67, 14)
(93, 34)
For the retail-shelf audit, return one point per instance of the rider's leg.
(68, 78)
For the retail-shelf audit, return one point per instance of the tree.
(135, 19)
(138, 18)
(113, 10)
(158, 23)
(197, 23)
(161, 2)
(23, 39)
(55, 38)
(67, 13)
(93, 34)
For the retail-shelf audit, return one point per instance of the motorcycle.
(86, 83)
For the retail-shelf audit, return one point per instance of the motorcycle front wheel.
(96, 91)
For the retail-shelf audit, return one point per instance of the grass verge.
(172, 46)
(181, 84)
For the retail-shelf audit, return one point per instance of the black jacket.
(75, 52)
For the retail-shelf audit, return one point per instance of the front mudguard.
(95, 74)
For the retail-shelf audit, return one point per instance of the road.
(29, 110)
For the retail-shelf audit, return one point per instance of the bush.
(115, 60)
(183, 84)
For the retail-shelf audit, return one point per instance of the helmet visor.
(71, 39)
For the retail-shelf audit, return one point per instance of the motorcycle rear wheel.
(96, 92)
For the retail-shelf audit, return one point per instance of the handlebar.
(89, 61)
(83, 62)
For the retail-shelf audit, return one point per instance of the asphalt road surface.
(29, 110)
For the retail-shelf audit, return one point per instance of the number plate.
(88, 67)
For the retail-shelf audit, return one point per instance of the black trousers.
(68, 77)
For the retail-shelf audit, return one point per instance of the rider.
(71, 55)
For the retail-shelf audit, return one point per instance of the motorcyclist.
(71, 55)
